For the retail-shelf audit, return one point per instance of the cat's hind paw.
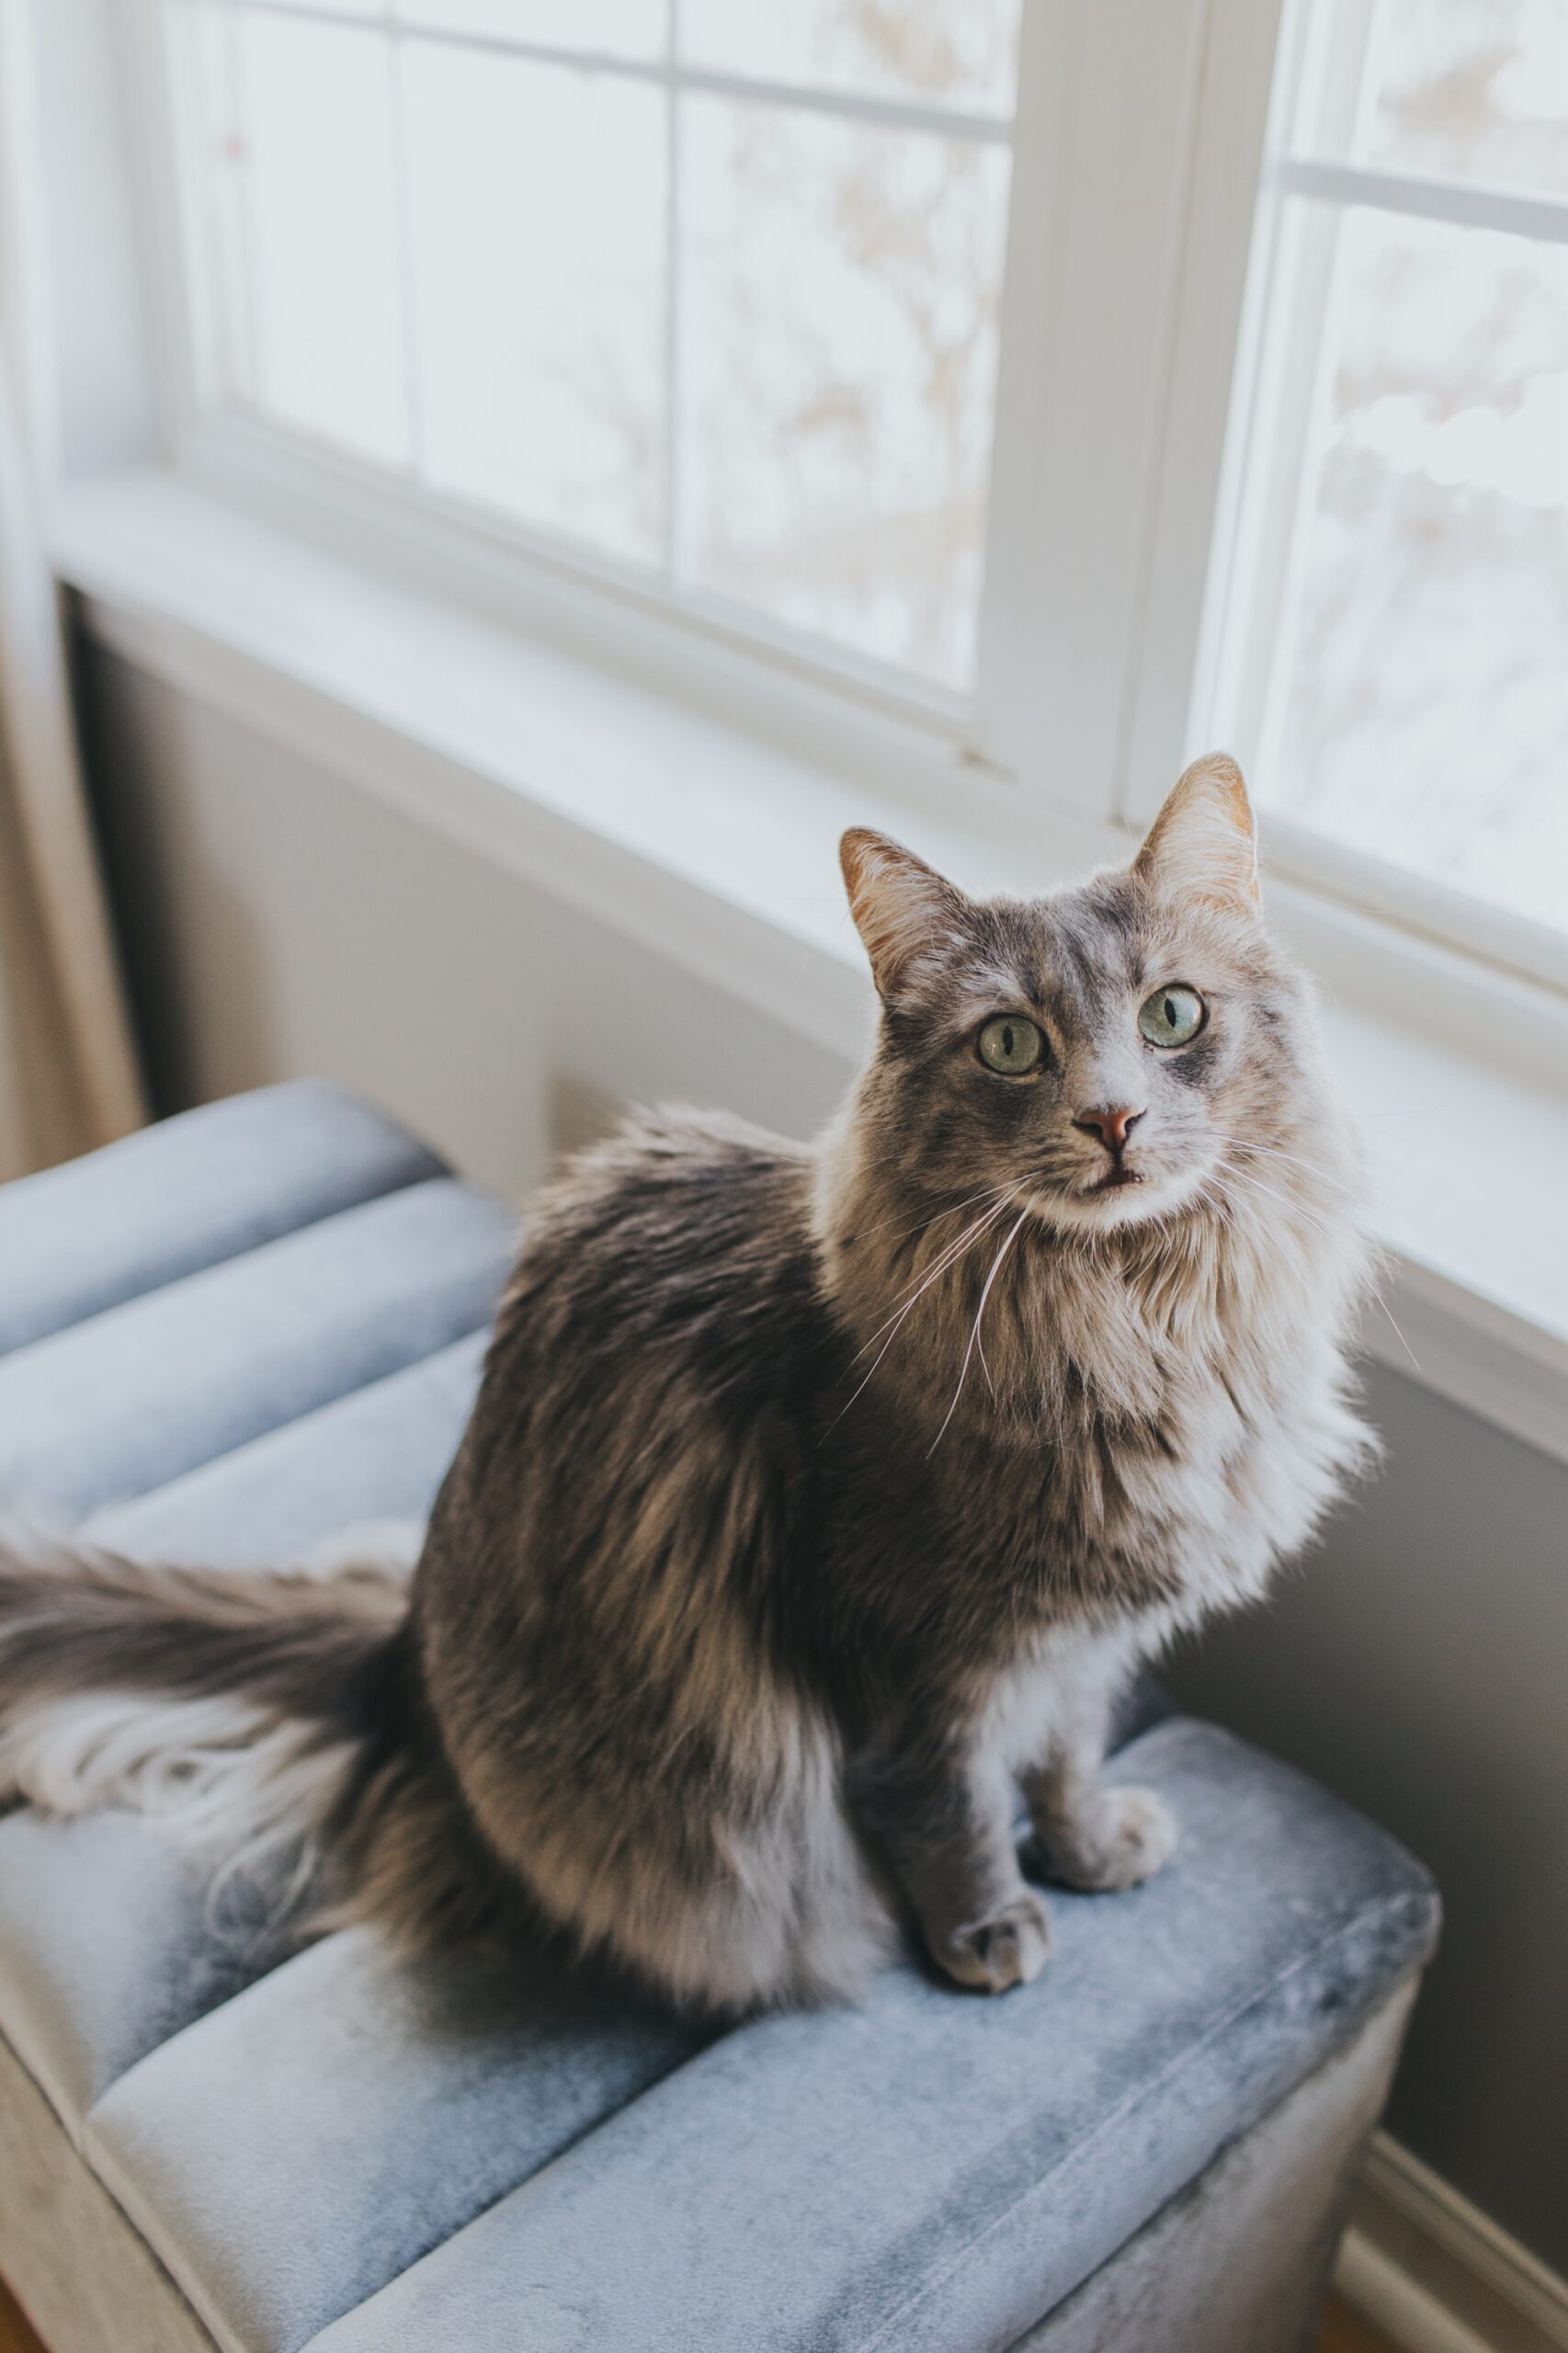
(1120, 1838)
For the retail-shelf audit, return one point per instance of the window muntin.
(719, 305)
(615, 28)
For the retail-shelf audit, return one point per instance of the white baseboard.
(1434, 2275)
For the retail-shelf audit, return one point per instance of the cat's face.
(1095, 1056)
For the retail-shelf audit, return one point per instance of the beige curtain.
(68, 1076)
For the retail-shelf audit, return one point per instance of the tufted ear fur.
(902, 906)
(1202, 845)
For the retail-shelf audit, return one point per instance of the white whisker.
(1399, 1335)
(948, 1259)
(1278, 1152)
(974, 1335)
(1265, 1192)
(1273, 1192)
(923, 1225)
(945, 1258)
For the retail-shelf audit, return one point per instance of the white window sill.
(718, 851)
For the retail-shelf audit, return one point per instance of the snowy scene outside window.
(711, 288)
(1406, 631)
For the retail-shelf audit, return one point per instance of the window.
(1082, 382)
(1395, 653)
(706, 290)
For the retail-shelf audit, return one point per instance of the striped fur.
(815, 1500)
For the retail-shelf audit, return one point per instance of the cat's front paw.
(1007, 1950)
(1115, 1840)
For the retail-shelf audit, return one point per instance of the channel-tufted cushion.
(152, 1389)
(359, 2154)
(105, 1228)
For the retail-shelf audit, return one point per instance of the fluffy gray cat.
(816, 1500)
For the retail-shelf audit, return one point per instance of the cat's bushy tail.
(266, 1716)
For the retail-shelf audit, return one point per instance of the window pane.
(311, 141)
(837, 361)
(623, 28)
(1474, 92)
(457, 261)
(933, 49)
(1419, 695)
(536, 203)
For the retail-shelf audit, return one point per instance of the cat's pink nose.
(1113, 1127)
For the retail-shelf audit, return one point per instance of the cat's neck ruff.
(984, 1314)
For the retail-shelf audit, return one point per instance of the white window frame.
(1229, 567)
(1141, 240)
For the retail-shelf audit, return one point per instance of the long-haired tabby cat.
(815, 1499)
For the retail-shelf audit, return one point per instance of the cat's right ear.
(902, 908)
(1203, 844)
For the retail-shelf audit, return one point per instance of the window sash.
(1268, 403)
(1072, 458)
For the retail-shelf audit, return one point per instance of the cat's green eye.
(1171, 1016)
(1010, 1044)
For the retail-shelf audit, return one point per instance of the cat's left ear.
(902, 908)
(1203, 844)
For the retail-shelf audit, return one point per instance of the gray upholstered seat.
(348, 2152)
(156, 1387)
(84, 1237)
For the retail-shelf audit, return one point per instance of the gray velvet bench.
(228, 1337)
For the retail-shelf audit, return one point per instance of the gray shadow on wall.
(1417, 1663)
(155, 874)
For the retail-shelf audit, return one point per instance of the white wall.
(278, 922)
